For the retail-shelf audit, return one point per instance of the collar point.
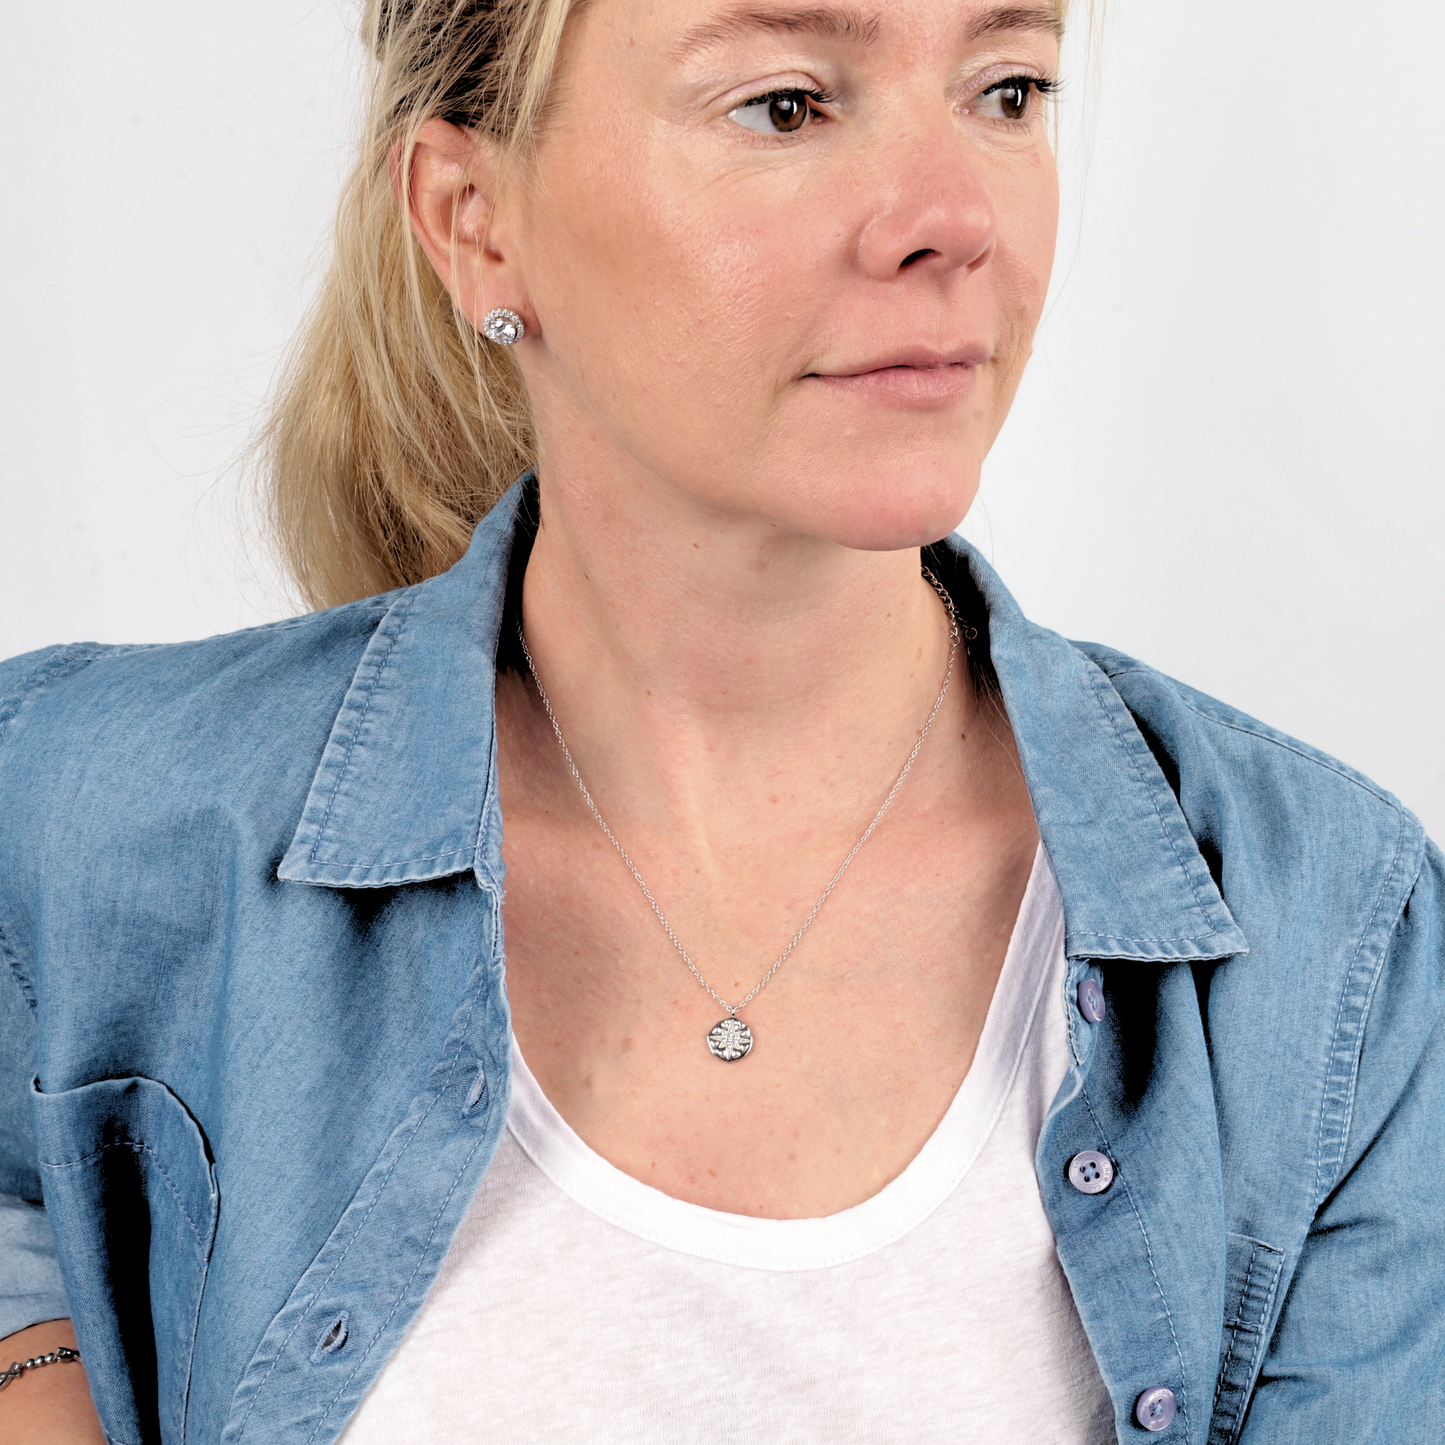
(298, 866)
(1213, 946)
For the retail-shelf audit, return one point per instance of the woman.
(1087, 1098)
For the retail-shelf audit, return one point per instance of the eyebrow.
(1018, 17)
(829, 22)
(842, 22)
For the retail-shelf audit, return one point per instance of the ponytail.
(393, 428)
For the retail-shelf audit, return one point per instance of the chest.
(859, 1039)
(879, 1322)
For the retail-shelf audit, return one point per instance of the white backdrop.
(1225, 458)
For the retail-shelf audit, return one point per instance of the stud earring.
(504, 327)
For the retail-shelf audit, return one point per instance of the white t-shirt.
(578, 1304)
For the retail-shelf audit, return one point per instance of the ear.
(449, 196)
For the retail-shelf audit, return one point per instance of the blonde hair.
(393, 428)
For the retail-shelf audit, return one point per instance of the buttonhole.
(333, 1337)
(477, 1093)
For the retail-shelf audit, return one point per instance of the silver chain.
(58, 1356)
(733, 1009)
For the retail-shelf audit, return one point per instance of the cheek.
(1028, 233)
(1021, 269)
(661, 289)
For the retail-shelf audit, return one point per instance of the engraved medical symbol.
(730, 1039)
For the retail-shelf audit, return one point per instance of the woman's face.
(788, 258)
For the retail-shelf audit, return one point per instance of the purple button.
(1091, 1001)
(1155, 1409)
(1091, 1173)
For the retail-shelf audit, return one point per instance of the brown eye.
(780, 113)
(789, 110)
(1013, 99)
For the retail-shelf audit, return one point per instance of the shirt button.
(1091, 1173)
(1155, 1409)
(1091, 1001)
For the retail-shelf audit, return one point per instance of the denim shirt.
(255, 1025)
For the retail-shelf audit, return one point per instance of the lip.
(919, 358)
(917, 375)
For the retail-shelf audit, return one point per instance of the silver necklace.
(731, 1039)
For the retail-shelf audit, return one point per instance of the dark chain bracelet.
(55, 1357)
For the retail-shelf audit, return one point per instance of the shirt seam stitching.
(1328, 1094)
(393, 863)
(402, 1293)
(1278, 741)
(1199, 903)
(371, 691)
(19, 977)
(156, 1164)
(1128, 938)
(1266, 1311)
(361, 1227)
(1149, 1257)
(463, 1026)
(52, 667)
(1234, 1329)
(346, 1249)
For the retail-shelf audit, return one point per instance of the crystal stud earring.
(504, 327)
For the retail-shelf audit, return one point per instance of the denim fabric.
(32, 1288)
(250, 914)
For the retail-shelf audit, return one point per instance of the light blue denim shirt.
(255, 1026)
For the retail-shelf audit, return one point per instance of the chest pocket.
(1251, 1282)
(131, 1195)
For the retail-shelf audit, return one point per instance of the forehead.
(725, 21)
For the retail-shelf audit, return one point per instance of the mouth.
(911, 375)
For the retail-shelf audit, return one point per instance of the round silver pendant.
(730, 1040)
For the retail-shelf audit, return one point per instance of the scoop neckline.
(788, 1245)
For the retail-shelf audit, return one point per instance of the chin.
(889, 507)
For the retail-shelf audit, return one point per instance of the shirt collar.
(406, 789)
(1131, 875)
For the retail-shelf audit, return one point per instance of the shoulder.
(1342, 898)
(1199, 740)
(101, 743)
(1315, 861)
(155, 689)
(1332, 879)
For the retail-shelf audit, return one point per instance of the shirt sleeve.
(1357, 1351)
(30, 1287)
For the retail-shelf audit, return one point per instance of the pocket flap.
(131, 1194)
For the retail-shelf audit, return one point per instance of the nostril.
(333, 1337)
(916, 256)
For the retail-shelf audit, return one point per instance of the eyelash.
(819, 98)
(814, 97)
(1041, 87)
(1044, 87)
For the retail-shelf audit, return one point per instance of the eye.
(779, 112)
(1011, 99)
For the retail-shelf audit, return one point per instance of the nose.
(933, 213)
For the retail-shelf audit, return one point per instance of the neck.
(694, 654)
